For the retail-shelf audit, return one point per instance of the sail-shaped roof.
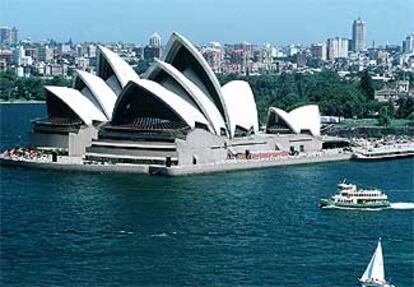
(146, 98)
(172, 79)
(305, 118)
(181, 54)
(114, 70)
(77, 102)
(97, 91)
(241, 106)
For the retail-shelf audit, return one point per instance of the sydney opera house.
(175, 114)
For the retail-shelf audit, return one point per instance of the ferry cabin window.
(301, 148)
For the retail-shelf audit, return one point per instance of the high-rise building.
(358, 35)
(14, 36)
(337, 48)
(4, 35)
(18, 54)
(155, 40)
(44, 53)
(8, 35)
(301, 59)
(91, 51)
(318, 51)
(151, 52)
(214, 56)
(408, 44)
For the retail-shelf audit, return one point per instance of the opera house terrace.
(174, 119)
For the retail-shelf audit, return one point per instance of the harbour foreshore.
(224, 166)
(21, 102)
(237, 165)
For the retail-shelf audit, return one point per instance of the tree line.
(27, 88)
(336, 96)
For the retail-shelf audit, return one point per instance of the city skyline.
(305, 27)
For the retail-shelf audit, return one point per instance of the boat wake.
(356, 209)
(402, 205)
(395, 205)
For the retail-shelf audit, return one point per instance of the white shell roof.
(103, 94)
(204, 103)
(286, 118)
(302, 118)
(174, 43)
(307, 117)
(241, 106)
(122, 69)
(78, 103)
(181, 107)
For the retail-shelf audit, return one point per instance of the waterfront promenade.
(224, 166)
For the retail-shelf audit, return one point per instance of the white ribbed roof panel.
(175, 43)
(302, 118)
(307, 118)
(241, 106)
(286, 118)
(204, 103)
(181, 107)
(78, 103)
(122, 69)
(103, 94)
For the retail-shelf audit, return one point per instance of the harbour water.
(249, 228)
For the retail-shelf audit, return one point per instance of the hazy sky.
(274, 21)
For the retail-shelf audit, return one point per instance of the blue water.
(251, 228)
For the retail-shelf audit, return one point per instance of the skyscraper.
(337, 48)
(8, 35)
(358, 35)
(155, 40)
(408, 44)
(13, 36)
(4, 35)
(318, 51)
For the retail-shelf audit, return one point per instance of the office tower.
(155, 40)
(318, 51)
(408, 44)
(337, 48)
(8, 35)
(5, 35)
(14, 35)
(44, 53)
(358, 35)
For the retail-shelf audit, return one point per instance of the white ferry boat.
(385, 152)
(351, 197)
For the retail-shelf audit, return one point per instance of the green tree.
(366, 85)
(384, 118)
(405, 107)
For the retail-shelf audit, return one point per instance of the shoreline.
(226, 166)
(21, 102)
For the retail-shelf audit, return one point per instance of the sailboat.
(374, 275)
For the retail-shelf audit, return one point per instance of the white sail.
(375, 268)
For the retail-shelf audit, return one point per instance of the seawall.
(225, 166)
(235, 165)
(140, 169)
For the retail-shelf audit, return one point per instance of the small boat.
(374, 275)
(350, 197)
(385, 152)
